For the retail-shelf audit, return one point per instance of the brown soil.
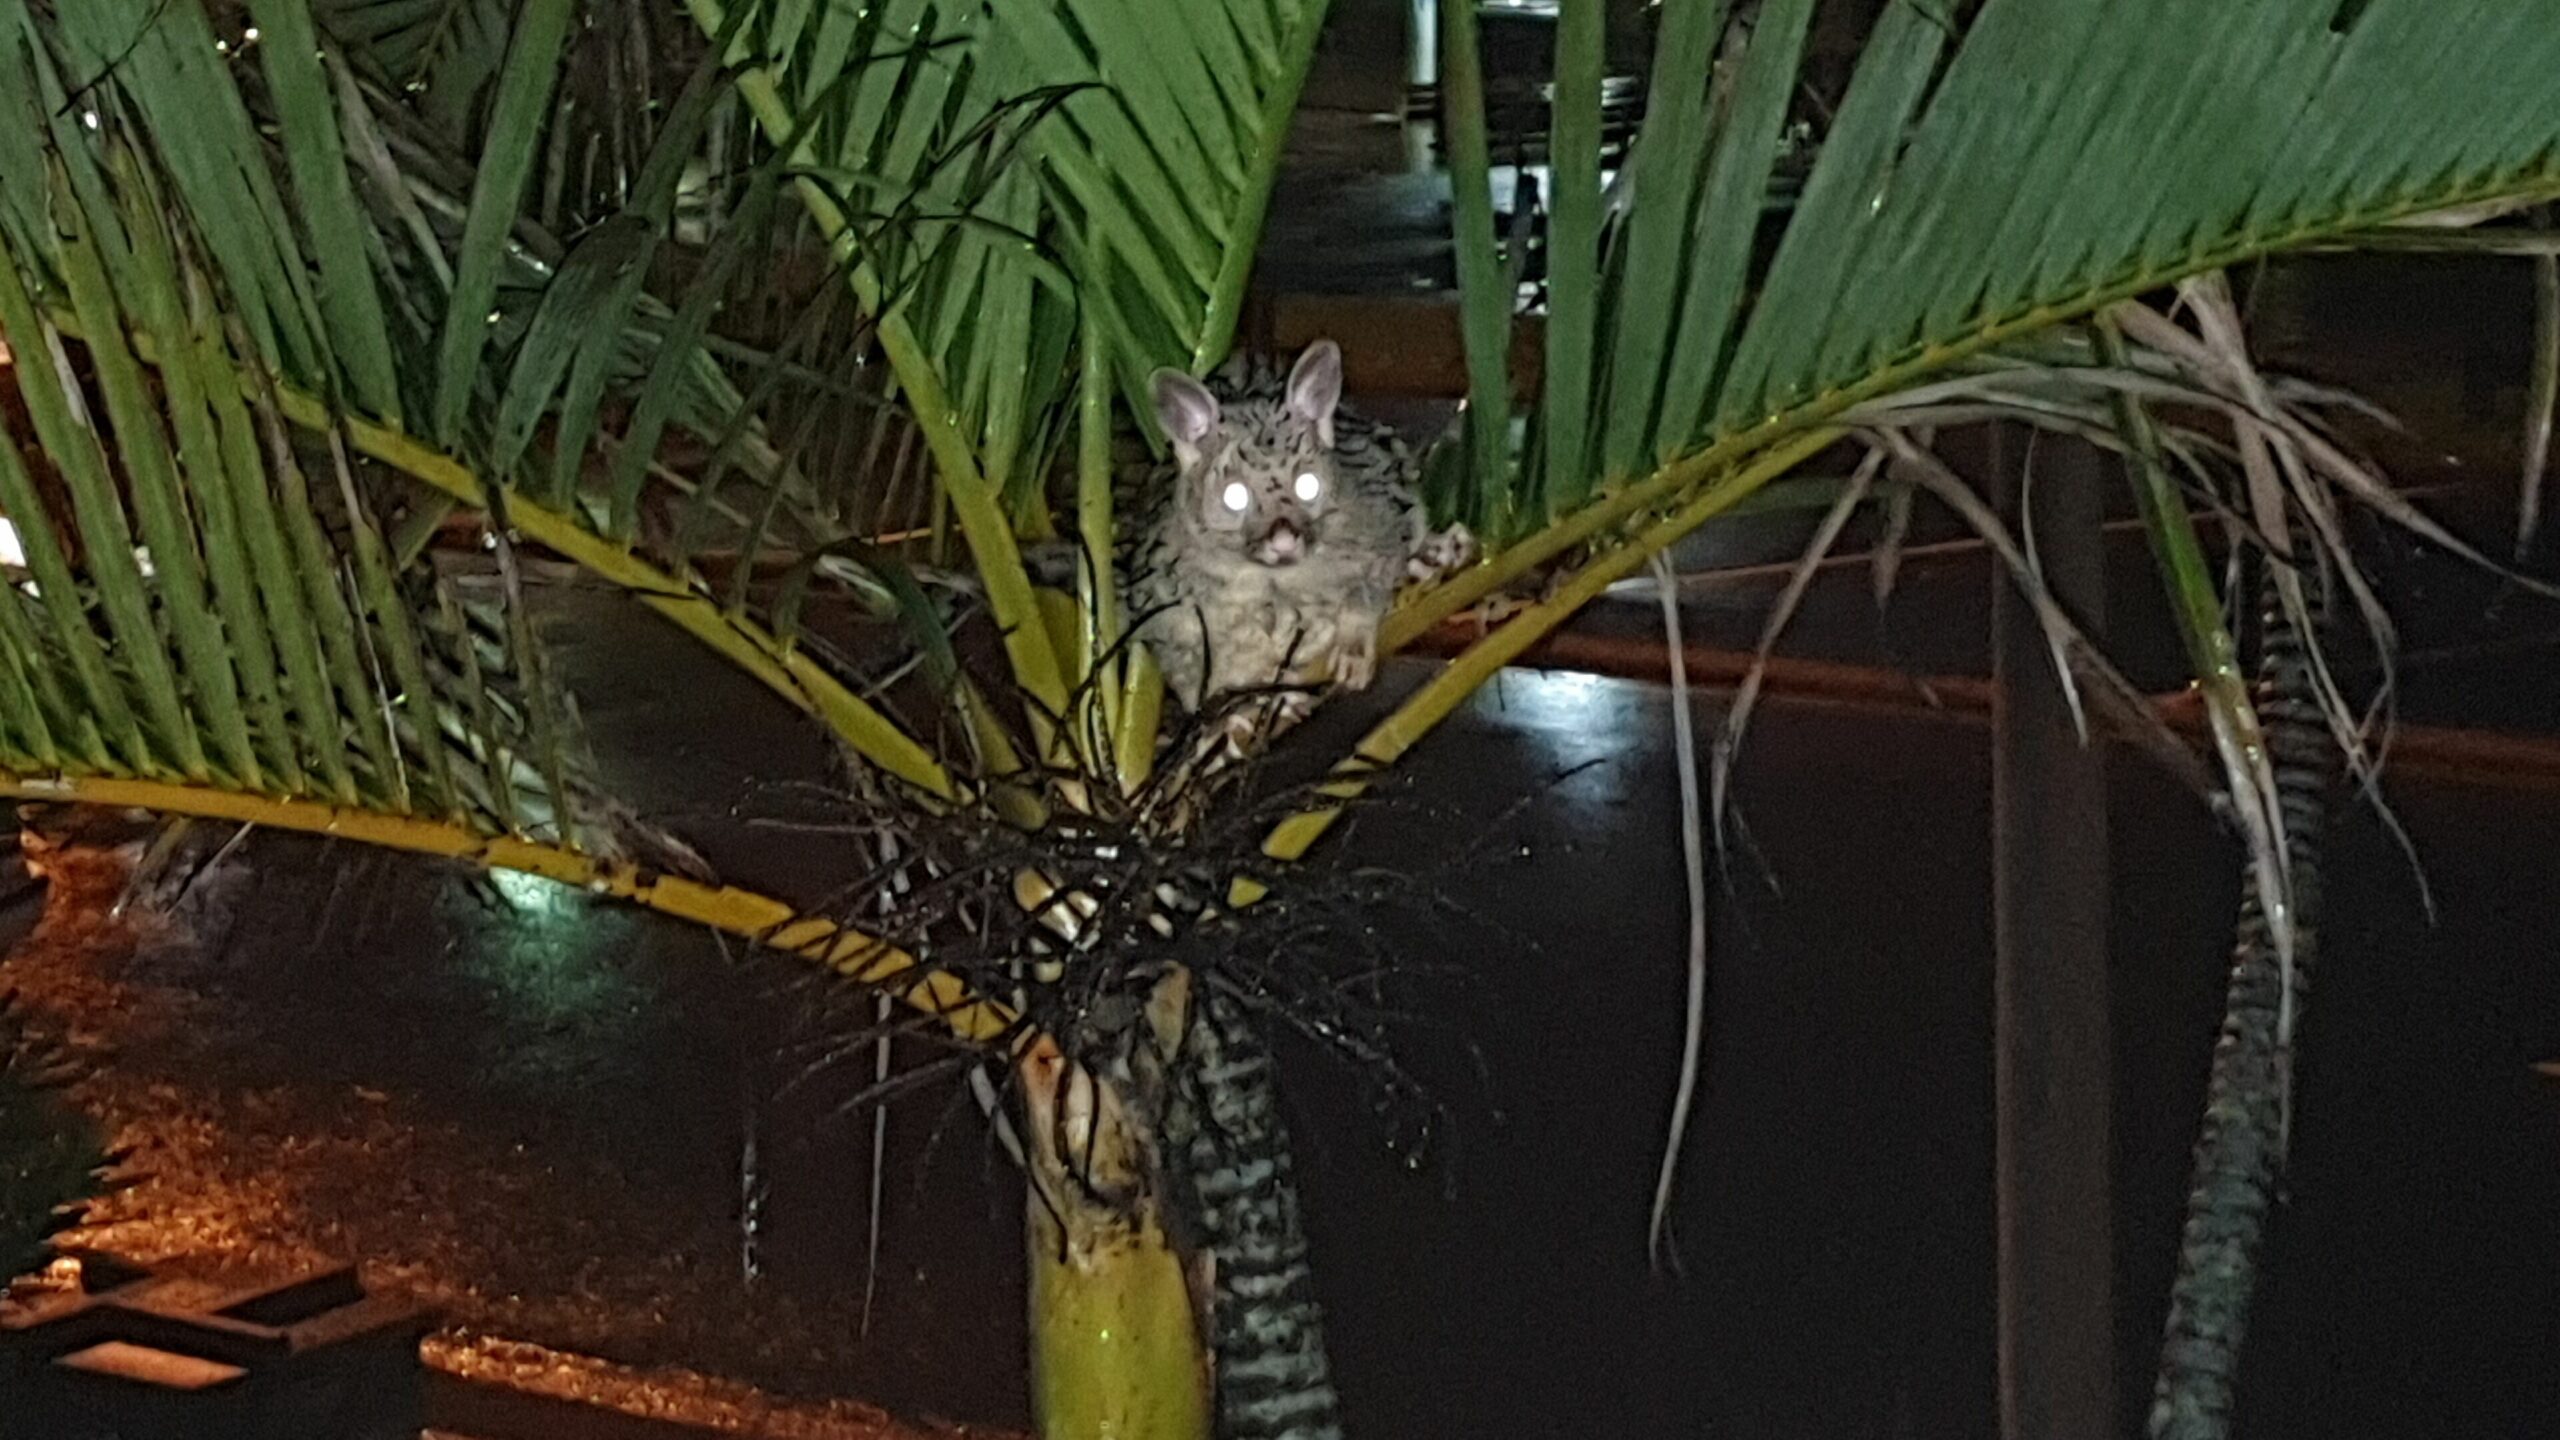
(242, 1172)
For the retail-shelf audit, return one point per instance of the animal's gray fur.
(1284, 590)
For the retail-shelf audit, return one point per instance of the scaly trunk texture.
(1225, 1142)
(2240, 1146)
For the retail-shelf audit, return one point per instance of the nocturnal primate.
(1280, 537)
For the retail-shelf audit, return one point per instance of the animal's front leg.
(1440, 554)
(1355, 658)
(1254, 723)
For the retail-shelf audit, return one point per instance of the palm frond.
(226, 619)
(1979, 183)
(1156, 138)
(455, 47)
(274, 639)
(497, 195)
(325, 240)
(1485, 286)
(2053, 158)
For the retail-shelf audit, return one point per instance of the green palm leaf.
(225, 618)
(1977, 183)
(2049, 157)
(412, 39)
(326, 235)
(2068, 156)
(447, 54)
(1156, 134)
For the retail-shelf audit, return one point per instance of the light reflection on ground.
(1576, 718)
(549, 962)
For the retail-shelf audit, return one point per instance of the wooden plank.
(2053, 1082)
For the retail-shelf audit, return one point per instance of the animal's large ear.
(1315, 387)
(1186, 410)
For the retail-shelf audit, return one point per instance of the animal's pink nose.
(1282, 543)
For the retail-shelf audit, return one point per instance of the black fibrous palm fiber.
(1329, 951)
(1085, 928)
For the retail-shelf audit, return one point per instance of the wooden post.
(2053, 1081)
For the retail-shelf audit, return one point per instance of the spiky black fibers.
(1133, 909)
(1083, 925)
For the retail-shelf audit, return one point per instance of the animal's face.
(1269, 487)
(1259, 473)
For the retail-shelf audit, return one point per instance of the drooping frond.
(1980, 178)
(388, 284)
(1985, 177)
(203, 593)
(226, 272)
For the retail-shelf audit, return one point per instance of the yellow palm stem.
(1117, 1349)
(1462, 677)
(748, 645)
(754, 649)
(726, 908)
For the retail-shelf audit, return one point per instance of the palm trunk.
(1164, 1209)
(1116, 1351)
(2240, 1146)
(1227, 1147)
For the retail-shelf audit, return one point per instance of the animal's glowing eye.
(1308, 485)
(1236, 496)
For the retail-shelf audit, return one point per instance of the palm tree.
(335, 273)
(2241, 1144)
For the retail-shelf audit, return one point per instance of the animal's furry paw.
(1440, 554)
(1249, 727)
(1356, 663)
